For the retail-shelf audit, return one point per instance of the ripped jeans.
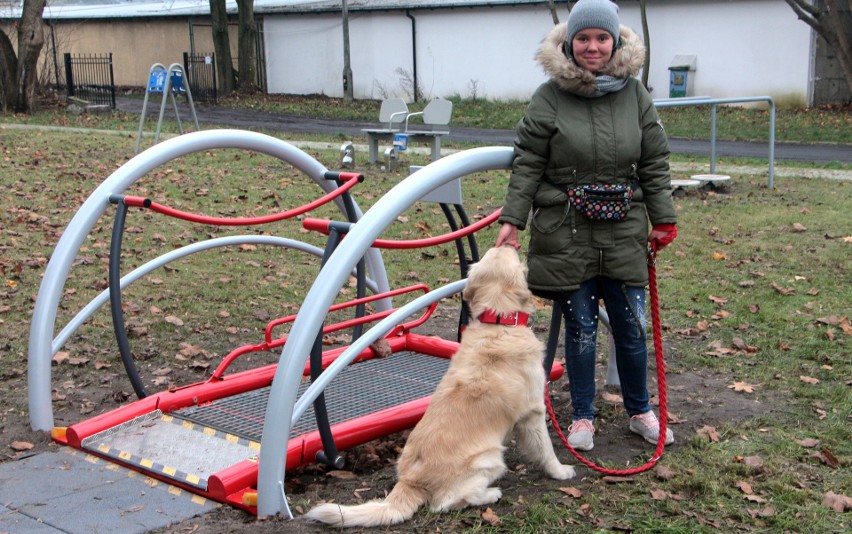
(626, 309)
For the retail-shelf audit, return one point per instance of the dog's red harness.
(506, 319)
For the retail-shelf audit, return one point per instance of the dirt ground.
(694, 400)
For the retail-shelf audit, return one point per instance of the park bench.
(435, 120)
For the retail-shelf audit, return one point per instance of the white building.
(458, 47)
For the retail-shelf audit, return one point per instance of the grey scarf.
(609, 84)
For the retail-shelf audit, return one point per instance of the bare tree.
(553, 14)
(222, 46)
(246, 49)
(646, 36)
(19, 73)
(834, 24)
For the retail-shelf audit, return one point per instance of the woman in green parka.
(590, 140)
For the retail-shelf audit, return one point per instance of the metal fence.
(200, 69)
(89, 77)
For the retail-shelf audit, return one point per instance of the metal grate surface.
(360, 389)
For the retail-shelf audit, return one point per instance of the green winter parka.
(568, 137)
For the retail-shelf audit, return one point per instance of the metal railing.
(89, 77)
(201, 71)
(713, 102)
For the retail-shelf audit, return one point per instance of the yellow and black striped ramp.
(178, 449)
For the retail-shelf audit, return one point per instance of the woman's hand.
(508, 235)
(662, 234)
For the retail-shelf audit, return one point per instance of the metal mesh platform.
(360, 389)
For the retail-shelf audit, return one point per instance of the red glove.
(662, 235)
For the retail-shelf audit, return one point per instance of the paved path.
(258, 120)
(71, 492)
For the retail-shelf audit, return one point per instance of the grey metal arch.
(41, 347)
(282, 396)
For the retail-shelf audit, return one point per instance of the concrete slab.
(69, 491)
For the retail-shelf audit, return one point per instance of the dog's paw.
(561, 472)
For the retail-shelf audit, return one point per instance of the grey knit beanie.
(586, 14)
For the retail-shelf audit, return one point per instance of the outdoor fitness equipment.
(206, 437)
(43, 345)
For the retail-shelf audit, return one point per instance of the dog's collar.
(506, 319)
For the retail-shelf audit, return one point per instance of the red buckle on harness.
(506, 319)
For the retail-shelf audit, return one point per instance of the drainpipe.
(413, 54)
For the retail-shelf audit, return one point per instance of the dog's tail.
(398, 506)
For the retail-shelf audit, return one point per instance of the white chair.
(393, 111)
(437, 113)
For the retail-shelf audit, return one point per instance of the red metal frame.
(229, 485)
(349, 181)
(323, 226)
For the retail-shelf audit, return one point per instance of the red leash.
(661, 384)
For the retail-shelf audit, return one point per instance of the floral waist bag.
(601, 202)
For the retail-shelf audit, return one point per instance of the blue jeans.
(626, 309)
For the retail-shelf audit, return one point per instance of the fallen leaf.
(807, 443)
(616, 480)
(659, 495)
(754, 462)
(490, 517)
(769, 511)
(342, 475)
(783, 290)
(739, 344)
(809, 380)
(663, 473)
(799, 228)
(744, 487)
(708, 433)
(612, 398)
(381, 348)
(827, 457)
(742, 386)
(572, 491)
(171, 319)
(755, 498)
(719, 301)
(720, 256)
(838, 503)
(21, 446)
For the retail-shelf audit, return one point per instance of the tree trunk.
(247, 47)
(222, 46)
(30, 43)
(553, 15)
(646, 35)
(8, 71)
(834, 25)
(839, 23)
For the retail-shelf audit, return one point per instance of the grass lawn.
(755, 297)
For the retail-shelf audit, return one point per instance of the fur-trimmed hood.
(626, 61)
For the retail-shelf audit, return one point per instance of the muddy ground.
(694, 400)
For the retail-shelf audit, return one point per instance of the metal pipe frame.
(41, 343)
(713, 102)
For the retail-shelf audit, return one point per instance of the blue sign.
(177, 82)
(400, 141)
(157, 81)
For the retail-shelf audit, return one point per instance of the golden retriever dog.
(495, 383)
